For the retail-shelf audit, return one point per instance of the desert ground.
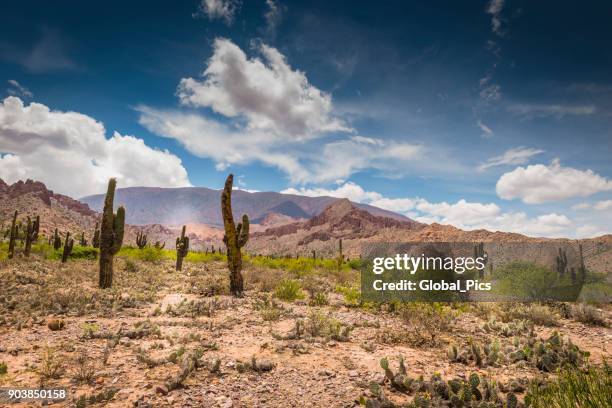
(298, 337)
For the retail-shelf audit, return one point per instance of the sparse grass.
(573, 388)
(588, 314)
(289, 290)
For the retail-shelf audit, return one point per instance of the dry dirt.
(308, 371)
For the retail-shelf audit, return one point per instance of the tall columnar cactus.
(562, 261)
(95, 241)
(236, 236)
(57, 241)
(340, 259)
(68, 244)
(111, 235)
(13, 237)
(83, 240)
(141, 240)
(31, 234)
(182, 249)
(479, 252)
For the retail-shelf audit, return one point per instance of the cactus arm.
(243, 235)
(118, 230)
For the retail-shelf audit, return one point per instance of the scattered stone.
(55, 324)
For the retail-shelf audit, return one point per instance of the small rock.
(353, 373)
(161, 389)
(55, 324)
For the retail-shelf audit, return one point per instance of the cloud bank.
(70, 153)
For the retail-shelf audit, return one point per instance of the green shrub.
(148, 254)
(352, 295)
(78, 252)
(289, 290)
(3, 368)
(573, 388)
(527, 281)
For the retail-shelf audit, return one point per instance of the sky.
(494, 114)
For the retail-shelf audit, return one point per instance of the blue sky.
(492, 114)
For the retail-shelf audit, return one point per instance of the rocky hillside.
(174, 206)
(357, 228)
(32, 198)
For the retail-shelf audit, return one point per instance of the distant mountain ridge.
(175, 206)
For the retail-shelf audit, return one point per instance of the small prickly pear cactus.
(511, 400)
(95, 241)
(68, 244)
(13, 237)
(31, 234)
(57, 241)
(141, 240)
(111, 235)
(236, 236)
(182, 249)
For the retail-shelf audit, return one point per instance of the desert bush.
(289, 290)
(85, 370)
(589, 388)
(268, 309)
(203, 257)
(318, 324)
(78, 252)
(352, 295)
(528, 281)
(538, 314)
(51, 366)
(587, 314)
(262, 278)
(425, 321)
(130, 266)
(148, 254)
(3, 368)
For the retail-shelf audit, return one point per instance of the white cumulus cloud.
(70, 153)
(268, 94)
(539, 183)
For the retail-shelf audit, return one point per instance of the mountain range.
(282, 224)
(174, 206)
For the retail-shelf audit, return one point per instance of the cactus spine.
(236, 236)
(31, 234)
(111, 235)
(13, 237)
(182, 249)
(141, 240)
(68, 244)
(57, 241)
(95, 241)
